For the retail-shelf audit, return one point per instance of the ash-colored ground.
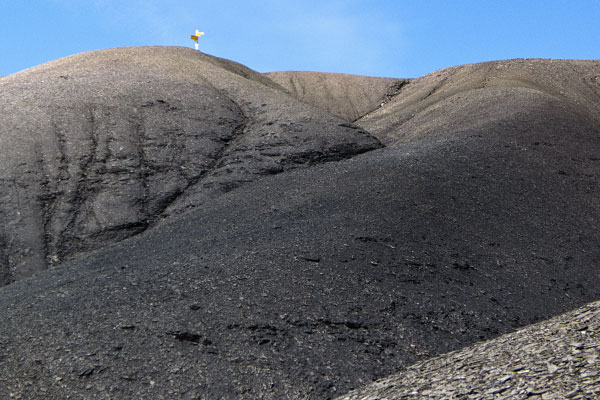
(178, 226)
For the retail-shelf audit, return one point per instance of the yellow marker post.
(196, 36)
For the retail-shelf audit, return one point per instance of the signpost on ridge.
(196, 36)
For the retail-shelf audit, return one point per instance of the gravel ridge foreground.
(554, 359)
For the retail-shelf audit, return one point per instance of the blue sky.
(369, 37)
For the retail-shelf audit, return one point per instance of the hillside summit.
(169, 218)
(103, 144)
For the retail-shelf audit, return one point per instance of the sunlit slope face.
(97, 146)
(499, 94)
(348, 96)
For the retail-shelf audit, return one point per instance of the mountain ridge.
(347, 96)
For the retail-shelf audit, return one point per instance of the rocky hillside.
(101, 145)
(555, 359)
(163, 187)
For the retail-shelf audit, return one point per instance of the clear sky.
(369, 37)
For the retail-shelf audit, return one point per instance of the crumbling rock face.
(97, 146)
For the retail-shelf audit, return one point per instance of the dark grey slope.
(316, 281)
(96, 147)
(345, 95)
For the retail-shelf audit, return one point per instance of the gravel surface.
(488, 95)
(294, 282)
(555, 359)
(104, 144)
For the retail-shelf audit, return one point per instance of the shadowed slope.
(555, 359)
(318, 280)
(348, 96)
(99, 145)
(528, 111)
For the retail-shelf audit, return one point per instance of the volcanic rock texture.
(243, 276)
(97, 146)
